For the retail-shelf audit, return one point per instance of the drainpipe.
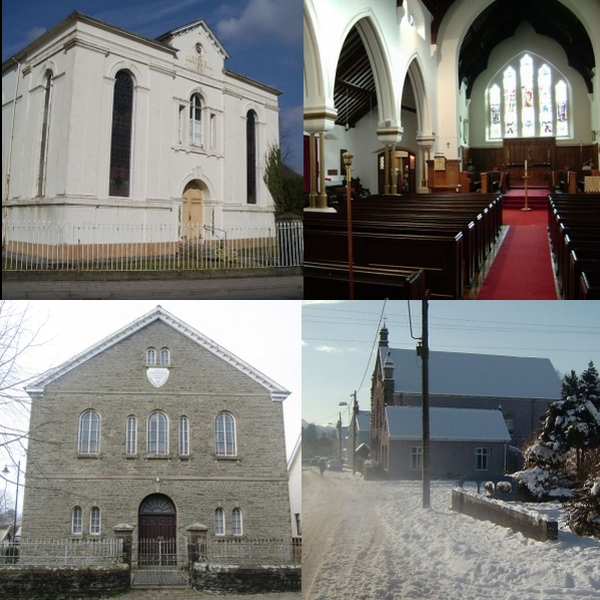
(9, 156)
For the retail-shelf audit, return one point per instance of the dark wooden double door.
(157, 527)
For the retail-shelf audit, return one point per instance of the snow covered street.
(372, 540)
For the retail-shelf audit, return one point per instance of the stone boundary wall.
(247, 579)
(63, 583)
(480, 508)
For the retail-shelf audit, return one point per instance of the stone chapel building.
(483, 408)
(159, 428)
(102, 126)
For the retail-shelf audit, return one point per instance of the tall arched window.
(95, 520)
(225, 442)
(77, 520)
(165, 356)
(236, 522)
(219, 522)
(120, 144)
(131, 435)
(157, 436)
(89, 433)
(521, 101)
(45, 131)
(196, 120)
(184, 436)
(151, 356)
(251, 157)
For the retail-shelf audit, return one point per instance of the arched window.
(157, 437)
(120, 145)
(45, 130)
(219, 522)
(89, 433)
(196, 120)
(95, 520)
(522, 101)
(236, 522)
(131, 435)
(251, 157)
(151, 356)
(225, 442)
(77, 520)
(184, 436)
(165, 357)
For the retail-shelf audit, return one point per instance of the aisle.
(522, 269)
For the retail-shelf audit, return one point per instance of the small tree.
(286, 190)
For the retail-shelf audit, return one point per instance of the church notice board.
(443, 180)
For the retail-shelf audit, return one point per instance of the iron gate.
(160, 561)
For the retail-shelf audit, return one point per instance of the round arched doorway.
(192, 210)
(157, 530)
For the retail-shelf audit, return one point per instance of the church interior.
(469, 134)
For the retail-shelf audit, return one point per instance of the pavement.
(282, 287)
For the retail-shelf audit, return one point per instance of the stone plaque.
(157, 376)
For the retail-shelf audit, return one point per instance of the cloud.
(329, 349)
(264, 20)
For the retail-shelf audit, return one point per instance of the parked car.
(335, 465)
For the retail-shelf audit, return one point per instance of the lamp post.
(348, 156)
(5, 471)
(340, 422)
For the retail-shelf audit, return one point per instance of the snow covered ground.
(372, 540)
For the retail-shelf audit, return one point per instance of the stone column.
(312, 169)
(322, 201)
(393, 171)
(386, 185)
(197, 543)
(425, 142)
(124, 531)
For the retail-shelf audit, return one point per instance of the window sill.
(185, 456)
(89, 456)
(235, 458)
(158, 457)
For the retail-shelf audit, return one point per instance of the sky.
(263, 38)
(338, 340)
(265, 334)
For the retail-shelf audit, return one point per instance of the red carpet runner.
(522, 270)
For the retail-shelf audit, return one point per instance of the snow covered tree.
(584, 509)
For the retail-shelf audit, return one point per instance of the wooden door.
(192, 211)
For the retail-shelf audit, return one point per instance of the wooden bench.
(590, 286)
(328, 280)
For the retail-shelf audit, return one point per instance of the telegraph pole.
(354, 417)
(425, 388)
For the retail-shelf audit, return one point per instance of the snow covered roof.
(447, 424)
(363, 419)
(482, 375)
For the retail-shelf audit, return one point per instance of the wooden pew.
(590, 286)
(440, 257)
(328, 280)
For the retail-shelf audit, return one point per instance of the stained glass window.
(527, 108)
(524, 101)
(495, 112)
(545, 100)
(562, 122)
(120, 145)
(510, 102)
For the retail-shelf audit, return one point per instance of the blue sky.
(263, 37)
(338, 340)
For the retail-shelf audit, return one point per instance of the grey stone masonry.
(111, 379)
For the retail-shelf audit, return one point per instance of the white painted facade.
(84, 55)
(398, 42)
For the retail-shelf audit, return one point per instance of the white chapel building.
(103, 126)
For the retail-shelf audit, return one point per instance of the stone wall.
(199, 386)
(63, 583)
(252, 579)
(480, 508)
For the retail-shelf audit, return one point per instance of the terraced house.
(154, 429)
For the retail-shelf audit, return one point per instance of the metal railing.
(243, 551)
(63, 552)
(49, 246)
